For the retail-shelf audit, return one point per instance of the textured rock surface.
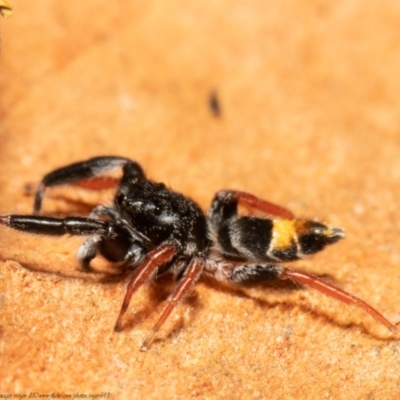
(310, 119)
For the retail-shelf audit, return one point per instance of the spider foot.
(5, 220)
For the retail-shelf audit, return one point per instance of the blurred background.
(295, 102)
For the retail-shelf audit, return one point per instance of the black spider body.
(152, 229)
(159, 214)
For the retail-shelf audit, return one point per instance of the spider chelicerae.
(153, 230)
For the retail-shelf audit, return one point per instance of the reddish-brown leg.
(249, 200)
(98, 183)
(335, 292)
(182, 289)
(154, 259)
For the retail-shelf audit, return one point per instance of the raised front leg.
(87, 174)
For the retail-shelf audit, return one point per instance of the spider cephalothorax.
(152, 230)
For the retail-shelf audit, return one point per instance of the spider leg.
(108, 237)
(143, 273)
(183, 288)
(253, 274)
(225, 205)
(88, 249)
(87, 174)
(333, 291)
(87, 252)
(59, 226)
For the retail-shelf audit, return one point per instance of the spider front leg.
(183, 288)
(246, 274)
(87, 174)
(59, 226)
(156, 258)
(107, 236)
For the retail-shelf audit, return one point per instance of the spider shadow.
(287, 304)
(70, 199)
(73, 271)
(159, 289)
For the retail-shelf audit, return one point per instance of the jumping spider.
(152, 230)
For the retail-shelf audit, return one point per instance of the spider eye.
(157, 210)
(154, 209)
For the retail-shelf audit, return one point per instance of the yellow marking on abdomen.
(283, 234)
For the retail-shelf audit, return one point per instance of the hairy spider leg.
(249, 200)
(333, 291)
(143, 273)
(86, 174)
(183, 288)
